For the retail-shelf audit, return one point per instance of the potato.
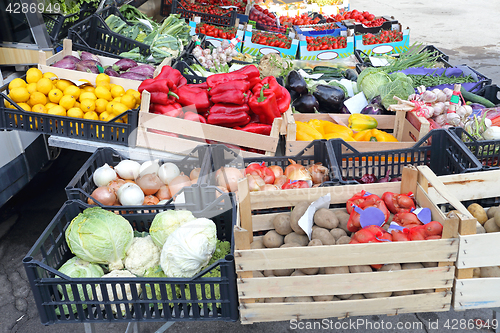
(283, 272)
(478, 212)
(299, 299)
(491, 212)
(346, 296)
(480, 229)
(257, 274)
(476, 273)
(294, 237)
(337, 233)
(257, 244)
(343, 240)
(297, 272)
(343, 219)
(321, 270)
(415, 265)
(360, 269)
(272, 239)
(356, 296)
(390, 267)
(315, 242)
(337, 270)
(423, 291)
(429, 264)
(491, 226)
(487, 272)
(402, 293)
(296, 214)
(274, 300)
(290, 245)
(324, 298)
(324, 236)
(312, 270)
(268, 273)
(281, 223)
(326, 218)
(497, 218)
(381, 294)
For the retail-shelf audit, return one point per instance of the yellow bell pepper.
(329, 127)
(360, 122)
(317, 125)
(374, 135)
(339, 135)
(306, 133)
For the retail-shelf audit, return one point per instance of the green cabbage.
(401, 86)
(100, 236)
(370, 79)
(167, 222)
(78, 268)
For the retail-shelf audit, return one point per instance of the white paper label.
(307, 220)
(356, 103)
(197, 19)
(291, 35)
(249, 27)
(146, 22)
(378, 61)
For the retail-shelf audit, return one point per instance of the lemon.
(117, 91)
(77, 105)
(33, 75)
(103, 93)
(50, 105)
(112, 85)
(103, 116)
(88, 89)
(7, 104)
(24, 106)
(19, 95)
(102, 78)
(119, 108)
(31, 87)
(100, 105)
(67, 102)
(39, 108)
(17, 83)
(55, 95)
(63, 84)
(57, 111)
(91, 115)
(38, 98)
(75, 113)
(134, 93)
(87, 105)
(117, 100)
(44, 86)
(73, 91)
(109, 117)
(49, 75)
(85, 80)
(87, 95)
(128, 100)
(109, 107)
(103, 84)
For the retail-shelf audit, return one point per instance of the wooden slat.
(18, 56)
(409, 180)
(467, 226)
(399, 125)
(474, 249)
(444, 250)
(263, 312)
(477, 293)
(244, 207)
(342, 284)
(424, 201)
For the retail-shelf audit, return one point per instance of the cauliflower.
(272, 64)
(112, 288)
(141, 255)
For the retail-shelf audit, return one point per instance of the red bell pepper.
(156, 85)
(163, 98)
(234, 85)
(254, 81)
(256, 128)
(284, 101)
(236, 97)
(189, 95)
(173, 75)
(265, 106)
(398, 203)
(172, 110)
(228, 115)
(251, 71)
(195, 117)
(273, 85)
(202, 85)
(216, 79)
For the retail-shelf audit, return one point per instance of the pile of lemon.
(46, 93)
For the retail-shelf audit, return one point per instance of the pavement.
(465, 30)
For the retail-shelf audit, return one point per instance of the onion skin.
(255, 183)
(149, 183)
(115, 184)
(280, 181)
(231, 175)
(178, 183)
(195, 174)
(163, 193)
(104, 195)
(292, 167)
(299, 174)
(277, 170)
(269, 187)
(151, 200)
(319, 173)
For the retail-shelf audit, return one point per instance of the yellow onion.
(277, 170)
(255, 183)
(195, 173)
(299, 174)
(228, 178)
(149, 183)
(319, 173)
(269, 187)
(104, 195)
(293, 167)
(151, 200)
(280, 181)
(163, 193)
(178, 183)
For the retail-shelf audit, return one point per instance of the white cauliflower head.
(141, 255)
(117, 287)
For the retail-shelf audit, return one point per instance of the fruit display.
(385, 36)
(46, 93)
(326, 43)
(216, 31)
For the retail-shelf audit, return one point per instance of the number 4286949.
(18, 8)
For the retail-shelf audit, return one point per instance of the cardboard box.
(255, 49)
(326, 54)
(308, 30)
(218, 41)
(298, 8)
(383, 48)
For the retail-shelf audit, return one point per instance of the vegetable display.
(271, 39)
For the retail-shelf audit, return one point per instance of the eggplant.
(330, 98)
(72, 58)
(146, 70)
(66, 64)
(124, 65)
(88, 66)
(372, 109)
(111, 72)
(84, 55)
(294, 95)
(306, 104)
(296, 82)
(133, 76)
(350, 74)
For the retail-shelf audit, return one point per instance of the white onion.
(168, 171)
(130, 194)
(128, 169)
(149, 167)
(104, 175)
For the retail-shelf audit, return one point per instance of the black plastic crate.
(443, 152)
(58, 24)
(486, 151)
(315, 152)
(188, 73)
(491, 92)
(77, 128)
(93, 35)
(51, 251)
(165, 7)
(82, 184)
(227, 20)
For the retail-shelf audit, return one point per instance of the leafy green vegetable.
(370, 79)
(68, 7)
(157, 272)
(401, 86)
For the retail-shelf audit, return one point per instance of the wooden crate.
(251, 290)
(475, 250)
(406, 127)
(151, 125)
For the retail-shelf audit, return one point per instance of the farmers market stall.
(237, 145)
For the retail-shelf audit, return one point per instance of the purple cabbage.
(124, 64)
(133, 76)
(146, 70)
(111, 72)
(66, 64)
(89, 56)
